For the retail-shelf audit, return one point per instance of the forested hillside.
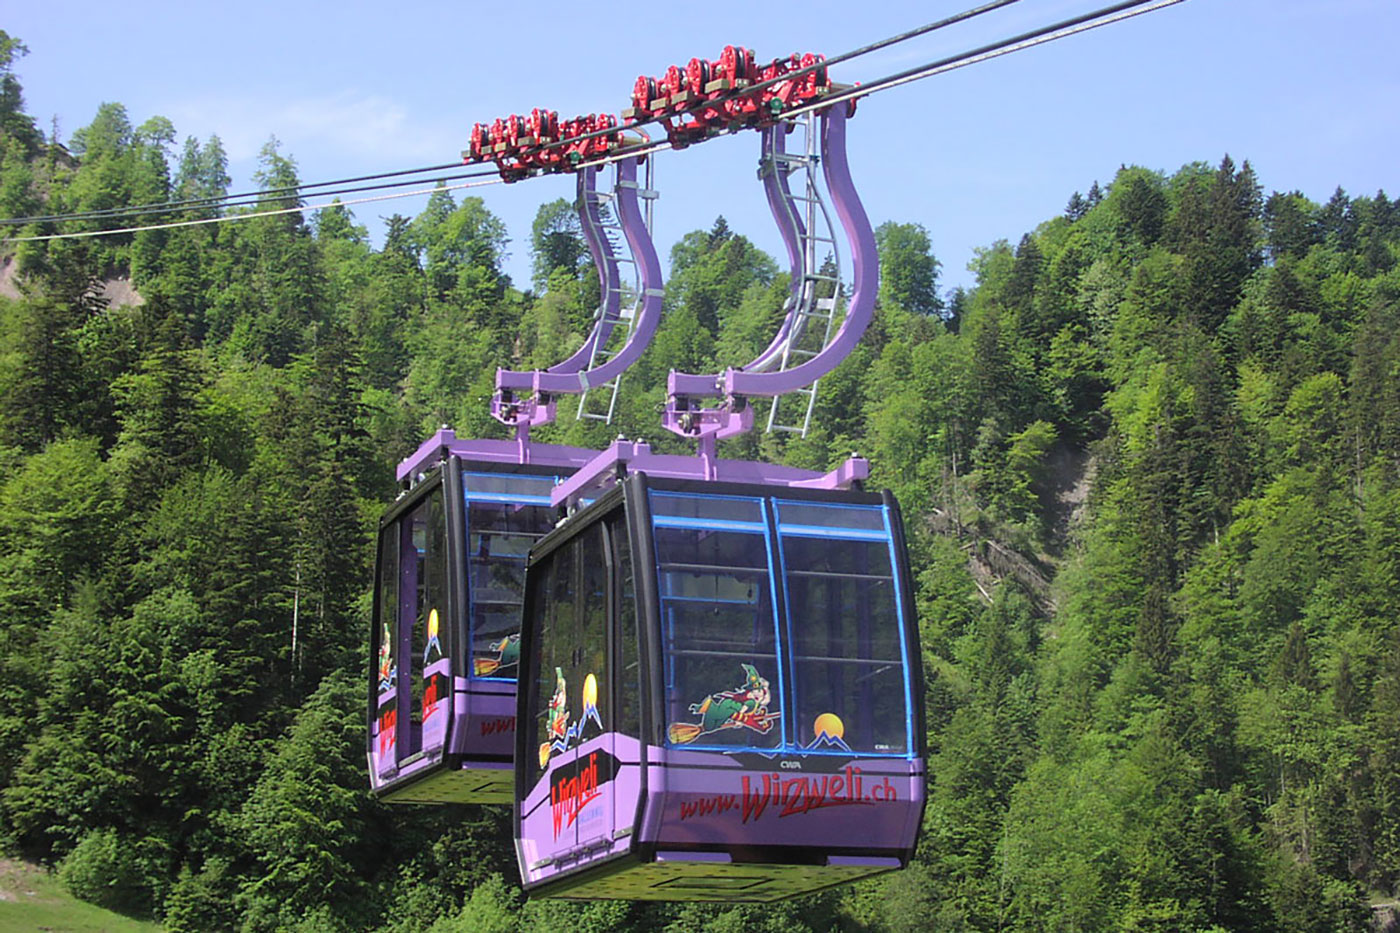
(1150, 466)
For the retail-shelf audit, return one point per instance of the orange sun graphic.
(829, 724)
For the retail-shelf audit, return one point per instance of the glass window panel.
(499, 538)
(848, 671)
(699, 508)
(689, 548)
(543, 588)
(860, 517)
(836, 556)
(629, 682)
(507, 484)
(386, 610)
(587, 675)
(719, 637)
(386, 638)
(417, 530)
(431, 631)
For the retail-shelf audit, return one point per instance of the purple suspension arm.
(571, 376)
(775, 186)
(864, 259)
(684, 416)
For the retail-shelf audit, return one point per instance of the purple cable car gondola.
(445, 645)
(721, 694)
(445, 636)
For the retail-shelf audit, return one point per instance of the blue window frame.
(782, 626)
(506, 514)
(722, 678)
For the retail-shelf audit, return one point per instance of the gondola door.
(572, 743)
(580, 753)
(412, 640)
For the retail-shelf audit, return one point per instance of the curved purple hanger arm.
(571, 376)
(752, 380)
(864, 260)
(790, 225)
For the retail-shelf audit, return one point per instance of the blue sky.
(1306, 91)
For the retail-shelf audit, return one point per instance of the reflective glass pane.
(499, 538)
(821, 515)
(629, 679)
(721, 678)
(848, 666)
(587, 676)
(553, 599)
(837, 556)
(386, 648)
(717, 508)
(386, 609)
(516, 485)
(431, 632)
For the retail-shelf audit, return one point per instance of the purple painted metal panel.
(483, 723)
(710, 798)
(874, 861)
(445, 443)
(865, 261)
(565, 817)
(715, 857)
(383, 761)
(436, 710)
(693, 384)
(636, 456)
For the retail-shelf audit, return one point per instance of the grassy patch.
(32, 900)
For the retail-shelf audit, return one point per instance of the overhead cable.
(248, 200)
(226, 200)
(231, 200)
(229, 218)
(1063, 29)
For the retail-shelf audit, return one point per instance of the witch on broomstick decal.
(743, 707)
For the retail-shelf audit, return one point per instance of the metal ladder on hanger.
(816, 294)
(608, 230)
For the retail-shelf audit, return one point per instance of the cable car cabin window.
(849, 688)
(506, 514)
(589, 673)
(629, 683)
(423, 600)
(385, 636)
(553, 599)
(723, 686)
(571, 603)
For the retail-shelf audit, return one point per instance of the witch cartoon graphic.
(507, 655)
(387, 670)
(557, 718)
(744, 707)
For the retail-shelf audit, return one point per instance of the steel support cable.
(229, 218)
(241, 200)
(1061, 30)
(219, 200)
